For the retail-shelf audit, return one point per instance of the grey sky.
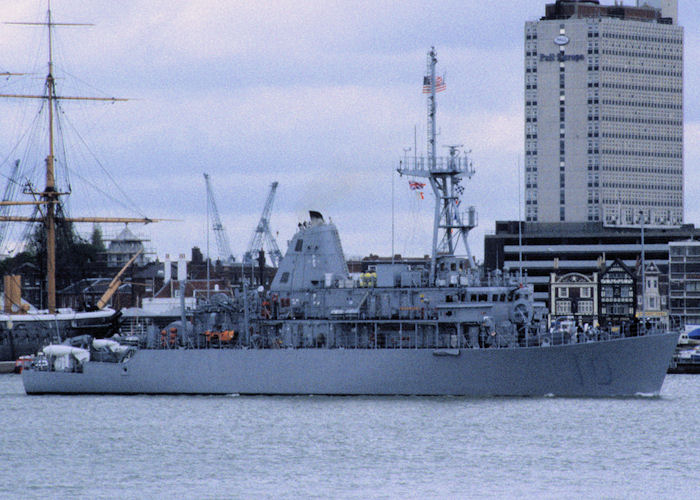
(321, 96)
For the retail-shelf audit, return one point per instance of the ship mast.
(50, 196)
(450, 223)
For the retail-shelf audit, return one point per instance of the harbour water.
(349, 447)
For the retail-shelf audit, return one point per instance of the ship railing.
(135, 326)
(420, 166)
(401, 333)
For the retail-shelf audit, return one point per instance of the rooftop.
(567, 9)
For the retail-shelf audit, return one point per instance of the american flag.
(416, 185)
(439, 84)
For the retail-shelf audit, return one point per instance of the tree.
(76, 258)
(96, 239)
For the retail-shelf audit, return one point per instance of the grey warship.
(443, 328)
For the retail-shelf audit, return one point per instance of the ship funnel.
(316, 217)
(314, 258)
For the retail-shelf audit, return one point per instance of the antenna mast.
(450, 223)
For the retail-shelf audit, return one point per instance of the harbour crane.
(222, 243)
(262, 237)
(9, 195)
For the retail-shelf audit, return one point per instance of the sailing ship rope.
(125, 200)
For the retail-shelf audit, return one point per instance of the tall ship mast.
(49, 198)
(24, 327)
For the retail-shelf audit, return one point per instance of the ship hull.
(620, 367)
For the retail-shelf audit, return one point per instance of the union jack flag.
(416, 185)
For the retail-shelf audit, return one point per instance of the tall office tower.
(604, 113)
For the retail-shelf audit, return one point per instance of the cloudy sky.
(322, 96)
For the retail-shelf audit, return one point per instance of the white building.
(124, 246)
(604, 113)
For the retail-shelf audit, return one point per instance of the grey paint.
(621, 367)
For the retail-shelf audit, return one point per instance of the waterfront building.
(124, 246)
(574, 295)
(652, 296)
(618, 284)
(604, 114)
(581, 247)
(684, 281)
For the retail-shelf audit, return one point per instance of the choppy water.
(349, 447)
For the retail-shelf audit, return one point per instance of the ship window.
(284, 278)
(299, 246)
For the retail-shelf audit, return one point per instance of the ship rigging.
(49, 208)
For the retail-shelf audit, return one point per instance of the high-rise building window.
(632, 118)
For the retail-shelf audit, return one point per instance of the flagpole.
(208, 254)
(520, 225)
(392, 217)
(415, 145)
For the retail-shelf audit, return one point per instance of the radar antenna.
(451, 223)
(262, 235)
(225, 254)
